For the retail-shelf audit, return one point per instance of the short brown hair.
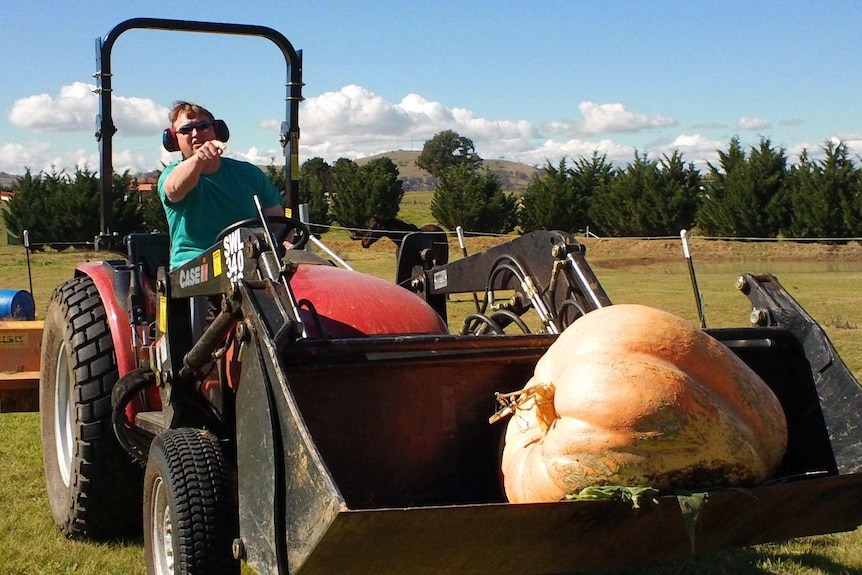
(189, 109)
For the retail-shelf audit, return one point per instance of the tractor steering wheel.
(287, 225)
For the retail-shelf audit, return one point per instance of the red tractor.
(326, 421)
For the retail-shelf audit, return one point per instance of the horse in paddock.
(396, 229)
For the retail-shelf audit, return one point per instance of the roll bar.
(105, 129)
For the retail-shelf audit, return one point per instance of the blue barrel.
(16, 304)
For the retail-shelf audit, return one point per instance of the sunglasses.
(199, 126)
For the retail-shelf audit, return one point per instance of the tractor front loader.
(325, 421)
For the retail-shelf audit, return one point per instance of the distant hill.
(514, 175)
(6, 180)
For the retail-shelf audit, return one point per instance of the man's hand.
(210, 150)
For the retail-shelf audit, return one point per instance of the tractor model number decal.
(234, 257)
(194, 276)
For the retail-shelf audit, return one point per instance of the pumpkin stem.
(539, 396)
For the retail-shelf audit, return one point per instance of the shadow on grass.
(801, 556)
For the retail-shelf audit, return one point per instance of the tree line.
(747, 193)
(754, 192)
(61, 208)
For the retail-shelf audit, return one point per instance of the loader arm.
(546, 270)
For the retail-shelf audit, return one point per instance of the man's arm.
(185, 176)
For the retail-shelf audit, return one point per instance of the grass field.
(824, 280)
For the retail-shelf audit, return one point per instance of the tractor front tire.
(94, 488)
(190, 512)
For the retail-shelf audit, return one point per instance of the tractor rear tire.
(94, 488)
(190, 512)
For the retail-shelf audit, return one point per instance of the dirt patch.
(623, 252)
(640, 251)
(622, 263)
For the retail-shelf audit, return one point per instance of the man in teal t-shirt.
(204, 193)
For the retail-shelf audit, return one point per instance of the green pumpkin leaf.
(633, 495)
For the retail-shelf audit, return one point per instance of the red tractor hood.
(352, 304)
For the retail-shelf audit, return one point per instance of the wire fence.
(356, 233)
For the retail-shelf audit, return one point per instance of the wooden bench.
(20, 354)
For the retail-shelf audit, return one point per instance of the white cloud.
(694, 148)
(354, 122)
(258, 156)
(749, 123)
(552, 151)
(607, 118)
(75, 109)
(14, 156)
(815, 150)
(604, 118)
(484, 129)
(139, 116)
(352, 111)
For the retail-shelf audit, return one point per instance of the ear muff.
(169, 140)
(169, 136)
(221, 131)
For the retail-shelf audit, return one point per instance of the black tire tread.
(195, 470)
(105, 491)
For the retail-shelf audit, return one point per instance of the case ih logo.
(193, 276)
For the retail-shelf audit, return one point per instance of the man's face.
(192, 132)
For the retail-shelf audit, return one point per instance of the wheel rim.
(162, 530)
(63, 416)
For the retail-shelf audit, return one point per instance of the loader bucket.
(379, 457)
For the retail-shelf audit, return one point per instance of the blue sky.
(526, 81)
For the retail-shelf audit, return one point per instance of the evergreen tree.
(29, 209)
(373, 189)
(679, 196)
(620, 207)
(745, 197)
(128, 204)
(550, 202)
(314, 189)
(57, 208)
(474, 199)
(590, 176)
(648, 198)
(825, 195)
(152, 210)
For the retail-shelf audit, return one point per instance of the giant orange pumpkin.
(633, 396)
